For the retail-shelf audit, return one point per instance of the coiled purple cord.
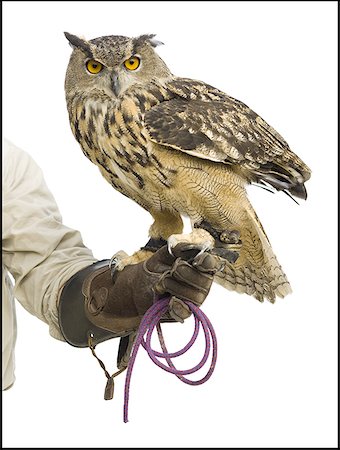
(150, 321)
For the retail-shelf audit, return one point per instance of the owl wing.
(206, 123)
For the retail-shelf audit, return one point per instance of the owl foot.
(231, 245)
(226, 236)
(227, 243)
(230, 237)
(121, 259)
(197, 239)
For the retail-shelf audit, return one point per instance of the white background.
(275, 383)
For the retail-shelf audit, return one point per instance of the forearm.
(38, 250)
(41, 292)
(37, 289)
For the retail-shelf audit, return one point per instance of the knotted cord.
(150, 321)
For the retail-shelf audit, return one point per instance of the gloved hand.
(96, 305)
(118, 303)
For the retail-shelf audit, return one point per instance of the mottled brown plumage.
(181, 147)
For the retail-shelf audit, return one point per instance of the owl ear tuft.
(154, 42)
(78, 42)
(150, 38)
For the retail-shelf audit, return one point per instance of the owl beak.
(115, 85)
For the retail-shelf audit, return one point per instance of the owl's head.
(113, 63)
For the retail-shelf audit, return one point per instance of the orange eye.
(94, 66)
(132, 63)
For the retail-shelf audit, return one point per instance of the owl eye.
(132, 63)
(94, 66)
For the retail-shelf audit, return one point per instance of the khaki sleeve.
(38, 250)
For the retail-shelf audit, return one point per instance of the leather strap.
(154, 244)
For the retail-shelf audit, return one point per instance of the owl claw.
(170, 248)
(202, 251)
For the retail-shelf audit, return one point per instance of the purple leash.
(150, 321)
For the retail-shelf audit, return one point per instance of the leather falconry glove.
(103, 304)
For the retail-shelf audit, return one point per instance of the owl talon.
(116, 260)
(170, 248)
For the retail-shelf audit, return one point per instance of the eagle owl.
(179, 147)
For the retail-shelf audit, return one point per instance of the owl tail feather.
(257, 271)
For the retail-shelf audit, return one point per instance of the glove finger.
(178, 310)
(208, 263)
(186, 251)
(189, 275)
(182, 291)
(160, 260)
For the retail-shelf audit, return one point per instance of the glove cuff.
(73, 322)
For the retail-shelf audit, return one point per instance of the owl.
(180, 147)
